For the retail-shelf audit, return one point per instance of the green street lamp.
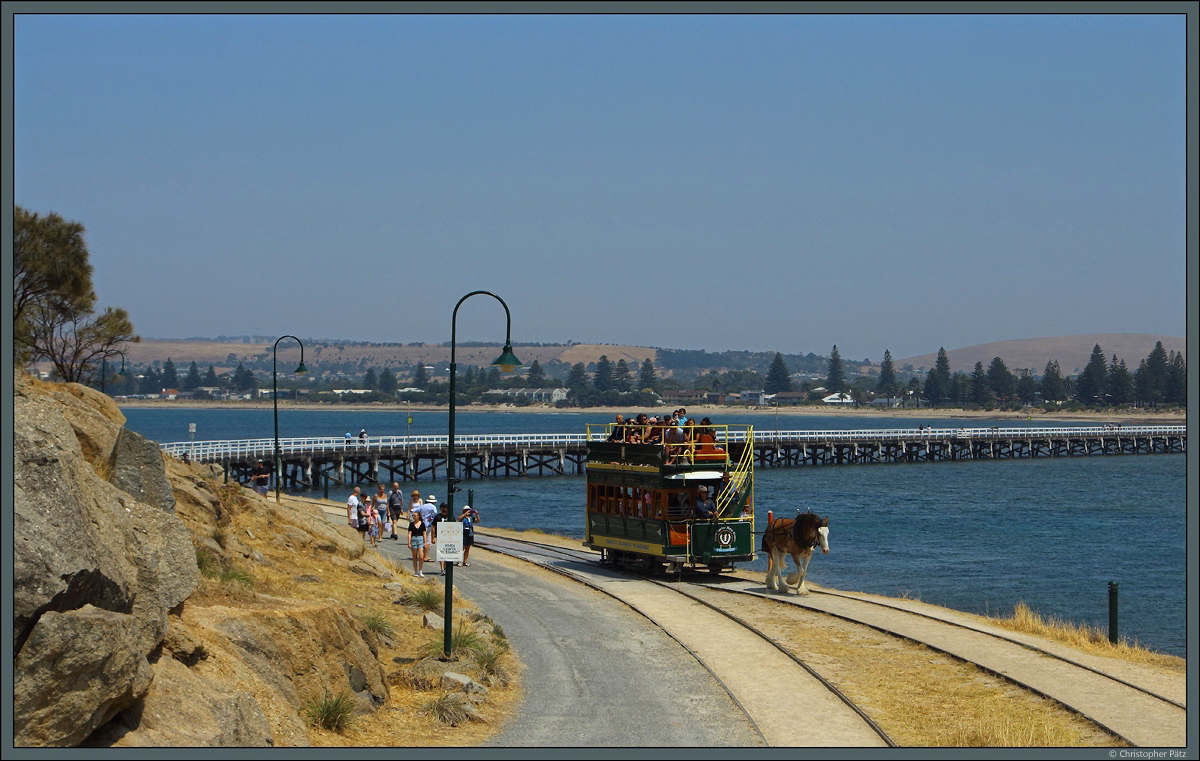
(275, 401)
(104, 367)
(507, 362)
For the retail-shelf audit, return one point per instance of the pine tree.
(647, 379)
(981, 389)
(420, 380)
(836, 382)
(210, 378)
(193, 380)
(1092, 382)
(387, 381)
(243, 379)
(1176, 385)
(1001, 381)
(1026, 386)
(932, 389)
(150, 382)
(1150, 380)
(1053, 385)
(887, 385)
(1120, 382)
(779, 378)
(944, 376)
(169, 379)
(622, 377)
(536, 377)
(577, 379)
(370, 380)
(602, 380)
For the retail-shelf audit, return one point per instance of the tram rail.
(1123, 704)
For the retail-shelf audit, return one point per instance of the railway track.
(1141, 706)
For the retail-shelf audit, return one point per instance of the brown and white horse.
(797, 537)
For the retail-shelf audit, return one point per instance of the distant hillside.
(1071, 352)
(225, 355)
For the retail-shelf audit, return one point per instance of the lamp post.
(104, 367)
(275, 401)
(507, 362)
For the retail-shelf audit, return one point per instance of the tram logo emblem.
(725, 537)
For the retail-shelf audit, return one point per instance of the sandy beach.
(1147, 417)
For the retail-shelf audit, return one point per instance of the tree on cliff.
(53, 301)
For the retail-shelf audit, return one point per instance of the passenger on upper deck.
(618, 431)
(655, 435)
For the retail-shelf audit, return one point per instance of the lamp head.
(507, 361)
(301, 369)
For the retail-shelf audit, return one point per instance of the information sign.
(449, 541)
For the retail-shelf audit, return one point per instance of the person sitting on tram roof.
(618, 431)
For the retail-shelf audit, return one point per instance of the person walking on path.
(379, 501)
(414, 502)
(442, 516)
(428, 510)
(352, 509)
(468, 517)
(395, 505)
(356, 514)
(416, 541)
(261, 478)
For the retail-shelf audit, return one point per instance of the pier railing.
(248, 449)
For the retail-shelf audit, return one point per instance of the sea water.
(976, 536)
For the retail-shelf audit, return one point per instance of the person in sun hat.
(468, 517)
(428, 510)
(414, 501)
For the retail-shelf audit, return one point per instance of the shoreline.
(1149, 417)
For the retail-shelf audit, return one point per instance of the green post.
(1112, 612)
(507, 362)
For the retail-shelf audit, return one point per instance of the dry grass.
(292, 573)
(919, 697)
(1089, 639)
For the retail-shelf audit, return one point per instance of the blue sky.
(767, 182)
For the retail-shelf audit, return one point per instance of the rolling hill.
(1071, 352)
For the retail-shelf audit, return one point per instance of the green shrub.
(379, 623)
(237, 576)
(463, 639)
(424, 597)
(208, 565)
(333, 712)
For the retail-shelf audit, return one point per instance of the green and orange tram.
(643, 498)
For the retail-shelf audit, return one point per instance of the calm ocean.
(973, 536)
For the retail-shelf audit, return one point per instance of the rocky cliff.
(120, 635)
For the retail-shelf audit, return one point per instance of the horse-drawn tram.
(664, 505)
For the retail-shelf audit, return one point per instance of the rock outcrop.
(114, 642)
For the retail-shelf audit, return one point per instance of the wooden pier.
(311, 463)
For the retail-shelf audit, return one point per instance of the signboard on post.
(449, 542)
